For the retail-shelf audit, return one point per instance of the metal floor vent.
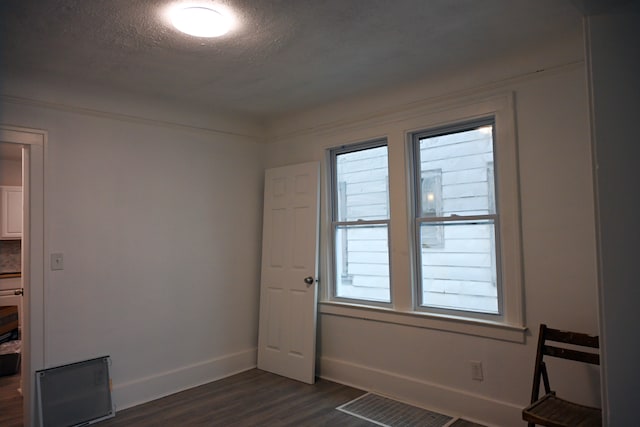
(390, 413)
(75, 394)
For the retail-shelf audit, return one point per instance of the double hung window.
(457, 260)
(360, 222)
(456, 219)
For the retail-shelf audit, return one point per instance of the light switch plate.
(57, 261)
(476, 370)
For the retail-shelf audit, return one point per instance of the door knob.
(308, 280)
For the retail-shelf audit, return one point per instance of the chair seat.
(553, 411)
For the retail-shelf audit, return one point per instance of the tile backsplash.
(10, 252)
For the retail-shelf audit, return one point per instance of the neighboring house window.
(360, 222)
(456, 219)
(431, 206)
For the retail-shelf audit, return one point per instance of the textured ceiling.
(285, 55)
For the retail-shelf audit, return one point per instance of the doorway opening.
(11, 287)
(31, 144)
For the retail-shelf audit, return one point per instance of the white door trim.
(34, 144)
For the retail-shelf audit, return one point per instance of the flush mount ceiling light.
(200, 20)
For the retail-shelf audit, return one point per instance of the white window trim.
(443, 322)
(512, 326)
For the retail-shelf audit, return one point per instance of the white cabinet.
(10, 212)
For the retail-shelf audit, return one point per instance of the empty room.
(300, 204)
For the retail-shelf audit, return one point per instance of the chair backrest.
(566, 345)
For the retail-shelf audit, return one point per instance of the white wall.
(613, 44)
(431, 367)
(160, 227)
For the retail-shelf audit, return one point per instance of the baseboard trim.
(153, 387)
(435, 397)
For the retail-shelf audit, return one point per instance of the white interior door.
(288, 290)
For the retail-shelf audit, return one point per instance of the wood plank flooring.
(252, 398)
(10, 401)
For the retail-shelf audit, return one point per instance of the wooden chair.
(551, 410)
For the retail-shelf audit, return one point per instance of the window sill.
(461, 325)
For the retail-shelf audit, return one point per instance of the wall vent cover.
(75, 394)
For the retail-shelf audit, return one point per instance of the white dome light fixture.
(200, 21)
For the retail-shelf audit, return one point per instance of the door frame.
(34, 144)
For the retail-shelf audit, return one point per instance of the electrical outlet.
(476, 370)
(57, 261)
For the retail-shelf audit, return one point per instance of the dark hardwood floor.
(252, 398)
(10, 401)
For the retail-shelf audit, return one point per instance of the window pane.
(464, 161)
(362, 262)
(461, 274)
(362, 185)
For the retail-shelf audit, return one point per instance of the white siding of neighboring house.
(363, 256)
(462, 272)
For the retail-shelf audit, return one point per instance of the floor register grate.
(391, 413)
